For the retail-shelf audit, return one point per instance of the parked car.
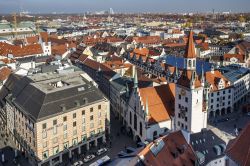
(122, 154)
(89, 158)
(130, 150)
(78, 163)
(101, 151)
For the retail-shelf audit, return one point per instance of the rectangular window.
(65, 145)
(74, 141)
(65, 135)
(45, 154)
(186, 99)
(186, 119)
(65, 118)
(179, 97)
(44, 135)
(91, 125)
(99, 107)
(91, 117)
(56, 150)
(44, 125)
(91, 109)
(64, 127)
(83, 112)
(74, 132)
(74, 115)
(54, 122)
(45, 144)
(83, 128)
(84, 137)
(55, 130)
(74, 124)
(55, 140)
(92, 133)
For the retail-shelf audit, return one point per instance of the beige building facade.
(57, 116)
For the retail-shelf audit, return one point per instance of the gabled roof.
(239, 149)
(190, 47)
(173, 151)
(214, 78)
(160, 102)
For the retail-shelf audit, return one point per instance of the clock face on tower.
(183, 92)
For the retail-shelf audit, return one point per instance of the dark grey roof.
(8, 87)
(208, 144)
(35, 96)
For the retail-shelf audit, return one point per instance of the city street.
(118, 143)
(226, 129)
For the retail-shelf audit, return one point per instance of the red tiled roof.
(214, 78)
(240, 57)
(160, 102)
(20, 51)
(239, 149)
(32, 40)
(147, 39)
(175, 152)
(4, 73)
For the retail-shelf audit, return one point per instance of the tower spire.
(190, 48)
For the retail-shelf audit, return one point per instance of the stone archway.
(229, 110)
(223, 111)
(211, 114)
(217, 112)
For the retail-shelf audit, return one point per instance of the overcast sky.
(80, 6)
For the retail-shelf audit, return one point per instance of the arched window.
(140, 128)
(189, 63)
(155, 134)
(135, 122)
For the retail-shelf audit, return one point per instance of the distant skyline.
(133, 6)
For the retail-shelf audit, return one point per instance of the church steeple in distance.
(190, 55)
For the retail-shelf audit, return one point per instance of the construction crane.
(15, 24)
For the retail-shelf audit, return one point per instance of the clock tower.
(189, 110)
